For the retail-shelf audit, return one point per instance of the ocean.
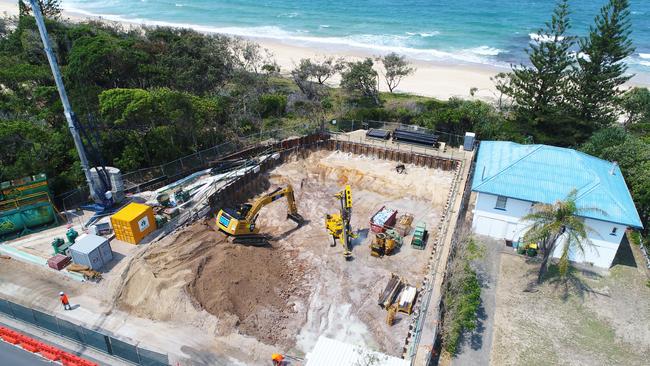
(490, 32)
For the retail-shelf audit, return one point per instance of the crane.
(338, 224)
(101, 194)
(240, 223)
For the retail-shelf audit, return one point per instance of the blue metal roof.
(542, 173)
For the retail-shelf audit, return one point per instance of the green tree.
(632, 154)
(49, 8)
(538, 91)
(636, 105)
(396, 68)
(310, 75)
(557, 224)
(360, 77)
(601, 69)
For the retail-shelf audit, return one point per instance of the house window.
(501, 203)
(614, 230)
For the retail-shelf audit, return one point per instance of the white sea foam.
(288, 15)
(324, 26)
(381, 44)
(645, 56)
(534, 37)
(179, 5)
(424, 34)
(486, 51)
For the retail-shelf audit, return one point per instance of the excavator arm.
(241, 223)
(292, 210)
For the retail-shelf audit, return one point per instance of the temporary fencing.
(99, 340)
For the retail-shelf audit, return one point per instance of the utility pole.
(67, 110)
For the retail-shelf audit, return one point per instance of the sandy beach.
(433, 79)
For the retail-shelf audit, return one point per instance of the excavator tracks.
(255, 240)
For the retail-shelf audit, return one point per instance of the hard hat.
(277, 357)
(61, 293)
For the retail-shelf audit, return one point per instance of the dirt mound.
(252, 283)
(246, 288)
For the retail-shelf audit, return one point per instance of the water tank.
(115, 177)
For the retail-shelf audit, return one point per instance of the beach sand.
(432, 79)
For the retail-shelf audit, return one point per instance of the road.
(12, 355)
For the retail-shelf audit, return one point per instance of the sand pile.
(248, 289)
(254, 284)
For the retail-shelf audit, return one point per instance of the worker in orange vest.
(277, 359)
(65, 301)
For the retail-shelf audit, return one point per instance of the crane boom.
(67, 109)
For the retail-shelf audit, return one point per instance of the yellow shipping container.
(132, 223)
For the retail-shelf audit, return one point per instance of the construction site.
(203, 295)
(321, 248)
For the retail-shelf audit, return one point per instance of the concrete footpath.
(57, 341)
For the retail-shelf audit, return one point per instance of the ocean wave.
(381, 44)
(179, 5)
(288, 15)
(424, 34)
(645, 56)
(486, 51)
(324, 26)
(540, 38)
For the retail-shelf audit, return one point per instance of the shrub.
(273, 105)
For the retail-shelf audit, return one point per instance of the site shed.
(132, 223)
(92, 251)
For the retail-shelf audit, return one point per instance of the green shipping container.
(26, 218)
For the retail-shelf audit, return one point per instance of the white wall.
(506, 224)
(496, 223)
(602, 247)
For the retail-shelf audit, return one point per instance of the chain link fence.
(208, 157)
(96, 339)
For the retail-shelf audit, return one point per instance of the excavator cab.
(240, 223)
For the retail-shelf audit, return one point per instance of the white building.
(330, 352)
(509, 178)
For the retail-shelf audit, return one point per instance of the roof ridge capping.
(605, 184)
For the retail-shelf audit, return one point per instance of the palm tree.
(558, 224)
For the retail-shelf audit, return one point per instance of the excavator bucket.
(296, 217)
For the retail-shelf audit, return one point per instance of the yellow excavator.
(240, 223)
(338, 224)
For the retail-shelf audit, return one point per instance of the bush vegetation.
(462, 295)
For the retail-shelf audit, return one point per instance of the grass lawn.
(592, 319)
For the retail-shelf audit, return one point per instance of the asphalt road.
(12, 355)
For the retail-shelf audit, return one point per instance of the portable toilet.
(132, 223)
(92, 251)
(468, 143)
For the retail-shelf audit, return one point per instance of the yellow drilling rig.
(338, 224)
(240, 223)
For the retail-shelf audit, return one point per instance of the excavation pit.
(301, 287)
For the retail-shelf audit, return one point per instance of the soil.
(300, 288)
(252, 283)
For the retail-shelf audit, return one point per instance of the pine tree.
(49, 8)
(600, 69)
(538, 90)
